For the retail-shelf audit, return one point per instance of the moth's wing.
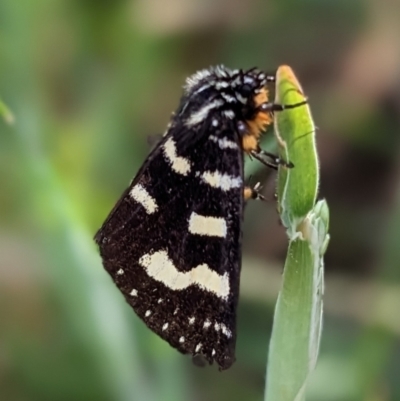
(172, 244)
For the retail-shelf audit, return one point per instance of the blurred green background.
(87, 83)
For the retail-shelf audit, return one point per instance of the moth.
(172, 243)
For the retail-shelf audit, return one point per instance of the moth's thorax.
(219, 96)
(258, 124)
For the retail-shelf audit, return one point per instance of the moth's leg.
(258, 152)
(250, 140)
(274, 163)
(253, 192)
(272, 107)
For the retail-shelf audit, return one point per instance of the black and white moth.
(172, 243)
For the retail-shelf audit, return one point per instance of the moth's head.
(236, 95)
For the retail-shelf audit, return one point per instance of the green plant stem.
(297, 324)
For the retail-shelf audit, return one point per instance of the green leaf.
(295, 132)
(297, 325)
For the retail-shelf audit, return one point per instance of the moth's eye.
(246, 90)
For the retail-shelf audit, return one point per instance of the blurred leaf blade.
(297, 324)
(6, 113)
(91, 305)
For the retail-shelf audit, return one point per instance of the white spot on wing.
(179, 164)
(217, 326)
(229, 98)
(226, 331)
(159, 300)
(213, 352)
(201, 114)
(198, 347)
(160, 268)
(140, 195)
(148, 313)
(165, 326)
(191, 320)
(182, 340)
(206, 324)
(223, 142)
(224, 181)
(248, 80)
(133, 293)
(120, 272)
(229, 113)
(203, 88)
(207, 225)
(241, 98)
(221, 85)
(237, 81)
